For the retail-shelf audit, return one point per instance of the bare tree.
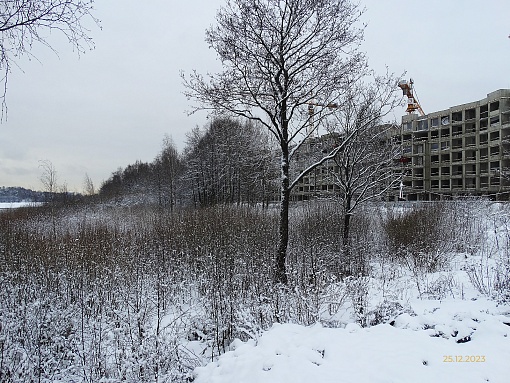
(26, 22)
(48, 177)
(363, 168)
(167, 168)
(229, 162)
(88, 185)
(280, 57)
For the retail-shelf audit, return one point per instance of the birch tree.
(280, 58)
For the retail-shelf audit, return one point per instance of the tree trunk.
(283, 239)
(345, 236)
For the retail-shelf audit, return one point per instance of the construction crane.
(311, 111)
(412, 102)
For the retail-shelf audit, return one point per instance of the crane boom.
(412, 102)
(311, 111)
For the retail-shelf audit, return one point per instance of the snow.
(409, 351)
(419, 327)
(458, 336)
(15, 205)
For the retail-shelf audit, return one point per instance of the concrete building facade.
(368, 156)
(318, 182)
(464, 150)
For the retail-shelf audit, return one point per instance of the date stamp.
(464, 358)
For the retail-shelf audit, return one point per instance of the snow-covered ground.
(383, 353)
(451, 325)
(457, 336)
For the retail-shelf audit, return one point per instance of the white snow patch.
(415, 349)
(15, 205)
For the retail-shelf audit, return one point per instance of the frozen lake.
(15, 205)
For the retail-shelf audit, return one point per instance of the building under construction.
(368, 156)
(464, 150)
(319, 182)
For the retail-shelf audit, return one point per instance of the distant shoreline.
(15, 205)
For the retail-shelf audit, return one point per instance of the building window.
(445, 132)
(456, 116)
(470, 114)
(484, 111)
(422, 125)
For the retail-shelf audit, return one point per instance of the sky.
(92, 113)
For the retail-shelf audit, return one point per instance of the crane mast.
(311, 111)
(412, 103)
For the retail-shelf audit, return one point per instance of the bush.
(416, 236)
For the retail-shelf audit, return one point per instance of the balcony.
(457, 157)
(456, 117)
(470, 170)
(470, 114)
(470, 142)
(494, 122)
(470, 156)
(456, 130)
(484, 111)
(445, 158)
(457, 143)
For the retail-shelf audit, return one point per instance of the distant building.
(318, 182)
(464, 150)
(373, 145)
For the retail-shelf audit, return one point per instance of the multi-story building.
(464, 150)
(318, 182)
(368, 154)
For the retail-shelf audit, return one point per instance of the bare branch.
(24, 23)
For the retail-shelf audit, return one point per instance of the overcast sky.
(113, 105)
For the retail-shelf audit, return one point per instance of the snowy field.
(437, 328)
(125, 295)
(453, 340)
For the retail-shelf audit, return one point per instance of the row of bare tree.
(225, 162)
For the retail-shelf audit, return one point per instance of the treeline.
(226, 162)
(19, 194)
